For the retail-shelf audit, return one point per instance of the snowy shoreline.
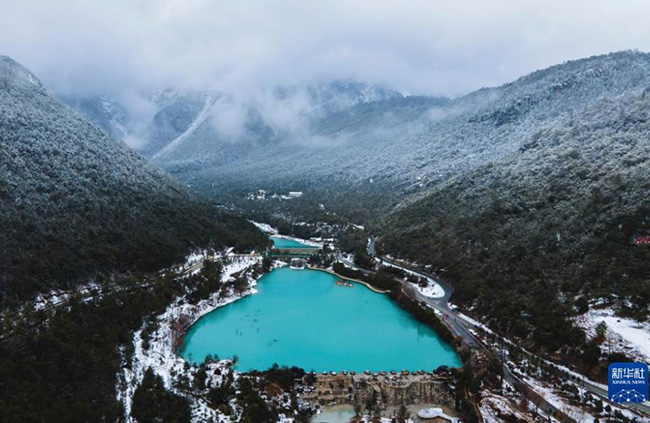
(161, 356)
(271, 231)
(265, 227)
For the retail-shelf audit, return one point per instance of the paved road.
(447, 288)
(441, 304)
(460, 328)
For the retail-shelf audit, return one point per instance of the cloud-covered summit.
(414, 46)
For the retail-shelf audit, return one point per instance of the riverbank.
(331, 272)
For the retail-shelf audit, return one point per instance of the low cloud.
(416, 46)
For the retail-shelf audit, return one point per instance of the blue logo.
(628, 382)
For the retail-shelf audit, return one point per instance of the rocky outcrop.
(386, 389)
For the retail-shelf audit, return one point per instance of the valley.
(345, 246)
(477, 339)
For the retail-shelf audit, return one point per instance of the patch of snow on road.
(432, 290)
(478, 324)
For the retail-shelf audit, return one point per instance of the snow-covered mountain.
(214, 127)
(408, 145)
(541, 229)
(532, 235)
(527, 193)
(105, 112)
(363, 139)
(74, 201)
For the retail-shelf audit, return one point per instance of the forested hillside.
(529, 237)
(401, 147)
(74, 202)
(348, 140)
(207, 127)
(533, 188)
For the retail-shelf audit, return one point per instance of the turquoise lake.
(288, 243)
(302, 318)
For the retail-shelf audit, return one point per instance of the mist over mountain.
(182, 127)
(368, 140)
(192, 191)
(535, 186)
(540, 229)
(75, 202)
(412, 144)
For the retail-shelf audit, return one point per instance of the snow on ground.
(370, 419)
(192, 261)
(161, 356)
(194, 258)
(494, 408)
(57, 296)
(265, 227)
(553, 396)
(435, 413)
(550, 394)
(204, 114)
(547, 390)
(623, 334)
(563, 368)
(238, 264)
(432, 290)
(478, 324)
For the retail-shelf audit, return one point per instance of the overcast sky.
(416, 46)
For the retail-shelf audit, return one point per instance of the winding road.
(460, 328)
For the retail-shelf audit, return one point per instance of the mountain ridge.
(398, 146)
(553, 220)
(428, 143)
(78, 203)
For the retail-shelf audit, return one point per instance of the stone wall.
(387, 389)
